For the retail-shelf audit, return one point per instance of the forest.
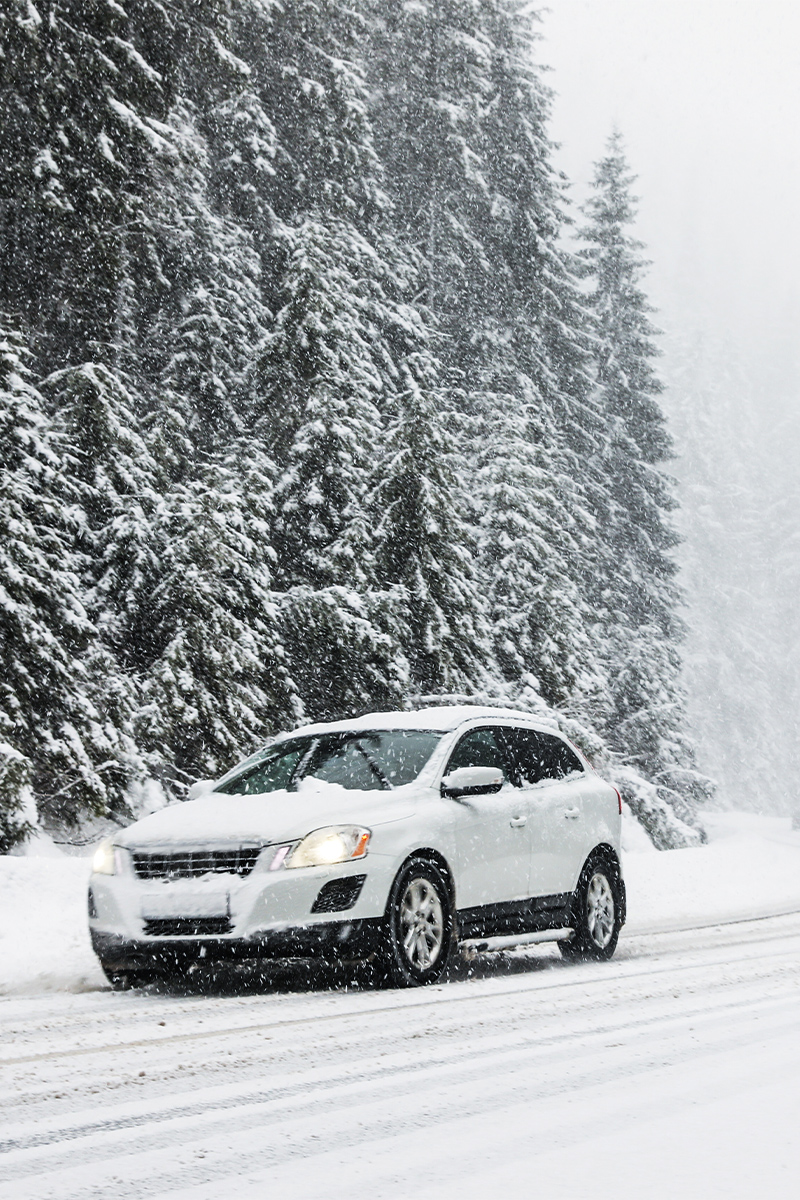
(317, 397)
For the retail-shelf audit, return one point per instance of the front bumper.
(332, 941)
(317, 912)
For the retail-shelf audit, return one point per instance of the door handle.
(572, 814)
(518, 822)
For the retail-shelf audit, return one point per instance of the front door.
(492, 832)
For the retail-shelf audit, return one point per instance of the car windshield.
(383, 758)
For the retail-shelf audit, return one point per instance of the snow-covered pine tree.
(110, 487)
(55, 743)
(462, 117)
(319, 383)
(529, 544)
(537, 300)
(343, 336)
(424, 550)
(81, 109)
(635, 589)
(215, 683)
(204, 335)
(307, 76)
(428, 66)
(540, 429)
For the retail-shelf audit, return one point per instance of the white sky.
(707, 96)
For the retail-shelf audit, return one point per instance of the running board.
(482, 945)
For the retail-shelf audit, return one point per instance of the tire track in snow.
(357, 1113)
(443, 995)
(560, 1035)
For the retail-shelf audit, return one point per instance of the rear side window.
(558, 760)
(534, 756)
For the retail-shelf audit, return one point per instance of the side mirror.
(201, 788)
(472, 781)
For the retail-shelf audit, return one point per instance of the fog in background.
(707, 96)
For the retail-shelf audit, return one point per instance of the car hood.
(279, 816)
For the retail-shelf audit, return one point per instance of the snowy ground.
(672, 1071)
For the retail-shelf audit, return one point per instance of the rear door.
(553, 780)
(492, 832)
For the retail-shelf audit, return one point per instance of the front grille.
(187, 926)
(191, 864)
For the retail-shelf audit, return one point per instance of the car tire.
(417, 934)
(596, 912)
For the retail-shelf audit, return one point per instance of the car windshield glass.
(275, 769)
(356, 761)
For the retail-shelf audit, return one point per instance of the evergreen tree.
(424, 549)
(210, 322)
(109, 487)
(320, 381)
(54, 739)
(319, 384)
(82, 110)
(345, 340)
(462, 120)
(308, 79)
(529, 544)
(429, 68)
(215, 684)
(635, 589)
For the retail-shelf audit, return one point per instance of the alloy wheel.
(600, 910)
(422, 924)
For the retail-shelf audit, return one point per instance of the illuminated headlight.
(334, 844)
(104, 861)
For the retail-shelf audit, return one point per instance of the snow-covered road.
(672, 1071)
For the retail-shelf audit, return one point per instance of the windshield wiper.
(373, 766)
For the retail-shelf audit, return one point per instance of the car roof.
(441, 718)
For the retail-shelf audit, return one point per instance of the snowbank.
(44, 936)
(749, 868)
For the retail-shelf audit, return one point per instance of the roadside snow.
(44, 936)
(750, 868)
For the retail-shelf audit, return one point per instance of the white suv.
(392, 836)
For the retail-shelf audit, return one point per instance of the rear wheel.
(596, 912)
(418, 926)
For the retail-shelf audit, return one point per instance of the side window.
(479, 748)
(557, 758)
(534, 756)
(524, 757)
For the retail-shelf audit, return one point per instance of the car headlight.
(333, 844)
(105, 858)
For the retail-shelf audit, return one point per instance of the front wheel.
(418, 926)
(596, 912)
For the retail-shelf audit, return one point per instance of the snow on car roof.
(441, 718)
